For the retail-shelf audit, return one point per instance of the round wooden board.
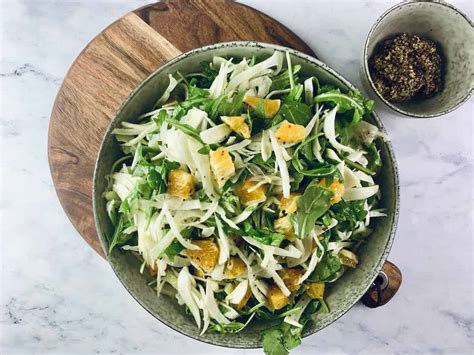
(117, 61)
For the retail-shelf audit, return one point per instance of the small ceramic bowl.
(451, 30)
(341, 295)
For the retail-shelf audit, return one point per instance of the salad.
(246, 192)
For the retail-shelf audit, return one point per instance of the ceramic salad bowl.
(341, 296)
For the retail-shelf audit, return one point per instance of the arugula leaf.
(308, 167)
(374, 158)
(348, 214)
(207, 76)
(353, 100)
(232, 107)
(195, 92)
(326, 269)
(229, 328)
(291, 336)
(229, 200)
(295, 94)
(125, 205)
(294, 112)
(185, 128)
(119, 238)
(173, 249)
(326, 88)
(312, 205)
(158, 177)
(263, 235)
(282, 80)
(321, 169)
(357, 166)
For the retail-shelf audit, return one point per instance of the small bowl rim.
(406, 113)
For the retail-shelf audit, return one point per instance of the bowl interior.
(341, 296)
(454, 34)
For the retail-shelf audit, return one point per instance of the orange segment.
(290, 133)
(180, 184)
(234, 267)
(237, 124)
(316, 290)
(291, 277)
(288, 205)
(244, 300)
(249, 194)
(276, 298)
(283, 225)
(222, 165)
(269, 107)
(336, 188)
(206, 257)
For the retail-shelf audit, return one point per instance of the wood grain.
(374, 299)
(114, 63)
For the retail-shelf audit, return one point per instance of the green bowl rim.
(311, 60)
(366, 61)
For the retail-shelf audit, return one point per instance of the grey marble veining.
(57, 296)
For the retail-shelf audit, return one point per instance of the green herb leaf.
(282, 80)
(295, 112)
(173, 249)
(273, 342)
(374, 158)
(232, 107)
(281, 338)
(357, 166)
(229, 328)
(348, 214)
(185, 128)
(326, 269)
(312, 205)
(353, 100)
(263, 235)
(119, 238)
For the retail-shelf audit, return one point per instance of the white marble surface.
(58, 296)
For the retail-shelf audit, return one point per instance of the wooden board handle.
(384, 287)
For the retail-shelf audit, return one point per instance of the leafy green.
(119, 238)
(195, 92)
(125, 205)
(309, 168)
(374, 158)
(263, 235)
(206, 148)
(229, 328)
(173, 249)
(311, 205)
(282, 80)
(357, 166)
(294, 112)
(326, 269)
(281, 338)
(185, 128)
(233, 106)
(207, 76)
(348, 214)
(157, 177)
(296, 93)
(352, 101)
(228, 199)
(273, 341)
